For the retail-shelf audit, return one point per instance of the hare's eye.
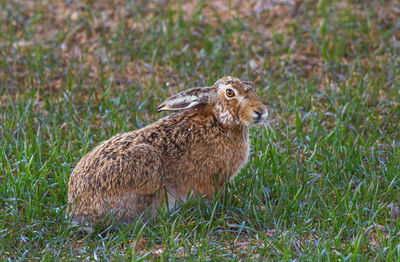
(230, 93)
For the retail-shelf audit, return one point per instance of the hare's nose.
(257, 116)
(260, 115)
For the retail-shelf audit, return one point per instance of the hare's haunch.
(203, 142)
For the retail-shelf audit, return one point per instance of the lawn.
(322, 183)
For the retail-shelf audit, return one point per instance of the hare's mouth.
(259, 118)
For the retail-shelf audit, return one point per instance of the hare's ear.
(187, 99)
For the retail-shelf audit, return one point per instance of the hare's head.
(234, 101)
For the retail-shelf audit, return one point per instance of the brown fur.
(206, 141)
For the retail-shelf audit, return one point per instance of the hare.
(194, 150)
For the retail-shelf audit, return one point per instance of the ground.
(321, 183)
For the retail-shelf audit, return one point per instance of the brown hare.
(196, 149)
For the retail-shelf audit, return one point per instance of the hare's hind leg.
(137, 171)
(130, 207)
(142, 170)
(133, 189)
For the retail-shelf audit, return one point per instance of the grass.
(323, 185)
